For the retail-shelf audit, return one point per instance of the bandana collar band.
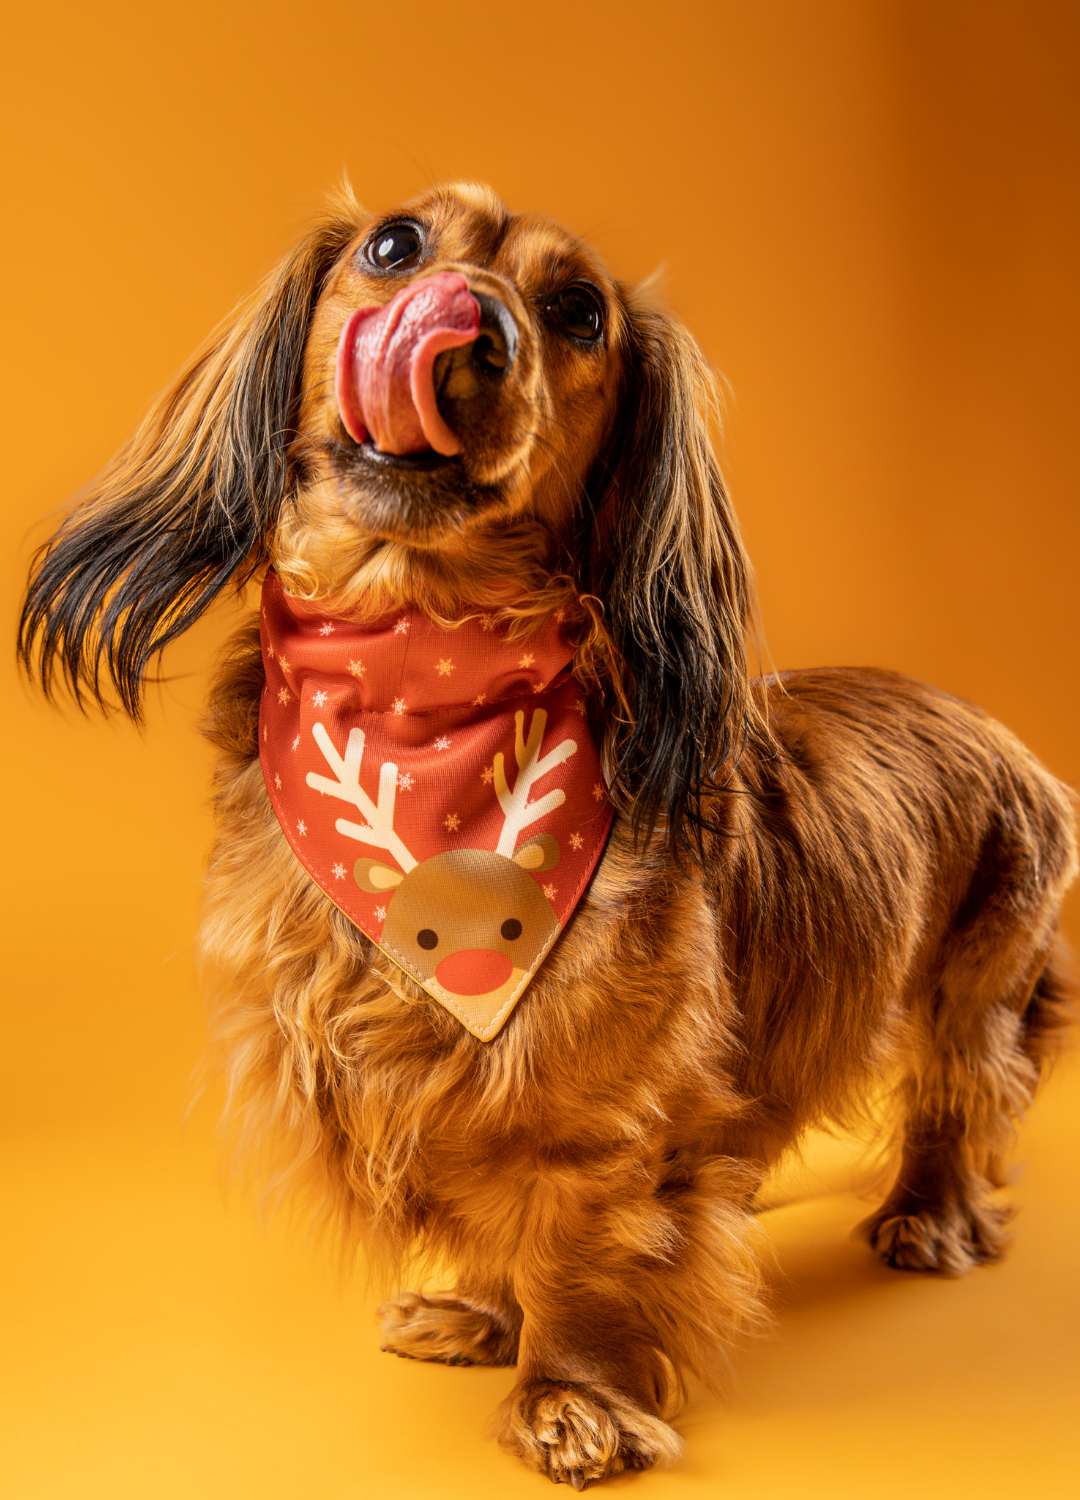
(440, 785)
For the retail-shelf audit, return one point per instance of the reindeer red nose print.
(441, 786)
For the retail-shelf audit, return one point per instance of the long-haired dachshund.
(505, 606)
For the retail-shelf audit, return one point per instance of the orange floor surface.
(164, 1346)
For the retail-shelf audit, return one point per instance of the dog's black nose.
(497, 342)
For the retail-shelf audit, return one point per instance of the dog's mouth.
(433, 405)
(423, 462)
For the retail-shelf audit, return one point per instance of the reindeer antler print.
(379, 832)
(518, 811)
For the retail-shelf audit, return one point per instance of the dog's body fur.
(844, 879)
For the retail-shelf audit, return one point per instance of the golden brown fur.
(813, 885)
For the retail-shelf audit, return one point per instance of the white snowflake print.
(380, 912)
(283, 664)
(339, 872)
(487, 622)
(445, 666)
(296, 743)
(405, 782)
(479, 700)
(443, 742)
(598, 792)
(560, 615)
(283, 695)
(301, 826)
(551, 891)
(527, 660)
(398, 705)
(270, 650)
(579, 706)
(451, 822)
(356, 668)
(538, 687)
(326, 629)
(487, 775)
(277, 782)
(576, 841)
(402, 625)
(319, 699)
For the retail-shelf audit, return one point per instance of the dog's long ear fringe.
(189, 503)
(667, 558)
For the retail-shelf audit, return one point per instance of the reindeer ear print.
(540, 853)
(372, 876)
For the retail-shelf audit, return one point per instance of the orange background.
(866, 212)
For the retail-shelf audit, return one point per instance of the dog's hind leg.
(962, 1110)
(471, 1325)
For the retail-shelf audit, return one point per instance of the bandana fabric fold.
(441, 785)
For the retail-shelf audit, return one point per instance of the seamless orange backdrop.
(866, 212)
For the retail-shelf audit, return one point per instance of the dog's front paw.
(446, 1328)
(949, 1239)
(574, 1432)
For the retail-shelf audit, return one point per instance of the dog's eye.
(578, 312)
(394, 246)
(511, 929)
(427, 939)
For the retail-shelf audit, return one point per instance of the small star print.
(339, 872)
(479, 700)
(277, 782)
(380, 912)
(487, 775)
(550, 892)
(319, 699)
(598, 792)
(451, 822)
(296, 743)
(356, 668)
(443, 742)
(398, 705)
(488, 622)
(301, 826)
(527, 660)
(326, 629)
(402, 625)
(283, 695)
(405, 782)
(445, 667)
(576, 841)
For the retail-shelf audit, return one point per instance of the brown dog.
(812, 883)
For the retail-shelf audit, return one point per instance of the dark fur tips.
(668, 559)
(188, 504)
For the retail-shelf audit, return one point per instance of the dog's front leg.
(593, 1380)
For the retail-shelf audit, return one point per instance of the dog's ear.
(668, 565)
(191, 500)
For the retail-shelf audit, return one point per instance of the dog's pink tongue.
(385, 360)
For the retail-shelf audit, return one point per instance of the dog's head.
(449, 406)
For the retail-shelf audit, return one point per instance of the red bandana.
(441, 786)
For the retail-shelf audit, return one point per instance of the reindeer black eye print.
(427, 939)
(511, 929)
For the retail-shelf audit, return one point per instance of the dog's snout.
(497, 343)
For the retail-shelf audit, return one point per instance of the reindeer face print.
(468, 922)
